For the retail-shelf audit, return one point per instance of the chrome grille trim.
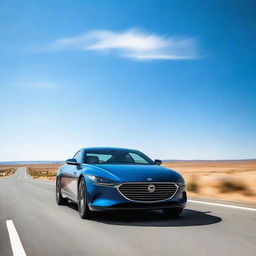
(163, 189)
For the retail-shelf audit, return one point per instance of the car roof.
(108, 148)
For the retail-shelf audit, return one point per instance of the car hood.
(136, 173)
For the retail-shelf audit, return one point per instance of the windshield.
(116, 156)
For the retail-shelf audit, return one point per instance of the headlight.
(181, 182)
(101, 181)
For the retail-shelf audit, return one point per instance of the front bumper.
(137, 206)
(103, 198)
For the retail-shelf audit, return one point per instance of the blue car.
(101, 179)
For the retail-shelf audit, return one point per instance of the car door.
(74, 173)
(68, 175)
(65, 179)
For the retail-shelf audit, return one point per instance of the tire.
(59, 199)
(83, 208)
(172, 213)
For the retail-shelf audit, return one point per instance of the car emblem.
(151, 188)
(149, 179)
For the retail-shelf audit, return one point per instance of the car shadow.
(154, 218)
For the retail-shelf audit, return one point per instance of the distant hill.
(170, 160)
(31, 162)
(198, 160)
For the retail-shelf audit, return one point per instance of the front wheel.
(59, 199)
(175, 212)
(83, 208)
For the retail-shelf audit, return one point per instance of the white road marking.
(19, 176)
(223, 205)
(37, 181)
(17, 248)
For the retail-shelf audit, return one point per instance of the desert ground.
(225, 180)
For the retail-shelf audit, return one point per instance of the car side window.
(78, 156)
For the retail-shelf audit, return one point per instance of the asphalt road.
(47, 229)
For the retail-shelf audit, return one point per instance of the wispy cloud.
(133, 43)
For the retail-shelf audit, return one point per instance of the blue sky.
(175, 79)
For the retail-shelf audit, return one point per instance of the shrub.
(192, 186)
(42, 172)
(231, 185)
(7, 171)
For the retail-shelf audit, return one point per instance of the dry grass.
(6, 171)
(227, 180)
(45, 172)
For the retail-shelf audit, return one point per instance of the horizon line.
(166, 160)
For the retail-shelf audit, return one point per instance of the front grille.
(148, 192)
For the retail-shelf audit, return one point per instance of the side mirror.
(158, 162)
(72, 161)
